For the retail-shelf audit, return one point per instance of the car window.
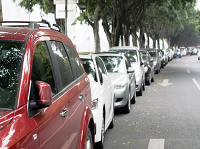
(101, 65)
(11, 57)
(41, 68)
(89, 69)
(74, 60)
(113, 63)
(62, 63)
(100, 70)
(152, 53)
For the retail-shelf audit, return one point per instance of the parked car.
(183, 51)
(148, 66)
(123, 79)
(164, 60)
(103, 98)
(198, 54)
(178, 53)
(44, 90)
(157, 59)
(170, 54)
(136, 62)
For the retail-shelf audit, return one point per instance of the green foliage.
(45, 5)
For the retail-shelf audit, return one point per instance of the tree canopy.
(174, 20)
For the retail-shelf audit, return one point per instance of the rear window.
(11, 57)
(131, 54)
(114, 63)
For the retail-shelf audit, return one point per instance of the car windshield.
(114, 63)
(131, 54)
(144, 56)
(89, 68)
(10, 65)
(152, 53)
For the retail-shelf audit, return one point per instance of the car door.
(77, 107)
(51, 124)
(106, 85)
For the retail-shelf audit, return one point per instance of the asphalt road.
(165, 117)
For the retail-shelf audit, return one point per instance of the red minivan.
(45, 96)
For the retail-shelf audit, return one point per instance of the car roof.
(124, 48)
(14, 33)
(19, 30)
(109, 54)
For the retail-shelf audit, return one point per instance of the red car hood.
(5, 118)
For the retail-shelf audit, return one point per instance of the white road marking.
(156, 144)
(188, 71)
(196, 83)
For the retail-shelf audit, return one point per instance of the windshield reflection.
(10, 64)
(114, 64)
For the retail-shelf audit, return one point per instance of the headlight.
(119, 86)
(95, 104)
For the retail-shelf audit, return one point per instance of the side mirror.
(131, 70)
(141, 63)
(45, 96)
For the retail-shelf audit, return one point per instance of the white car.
(102, 93)
(136, 62)
(198, 54)
(123, 78)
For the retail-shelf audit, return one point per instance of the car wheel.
(133, 100)
(149, 80)
(140, 92)
(88, 143)
(152, 79)
(127, 107)
(143, 86)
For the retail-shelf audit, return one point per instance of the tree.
(46, 6)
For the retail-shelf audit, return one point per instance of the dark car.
(148, 66)
(156, 55)
(45, 94)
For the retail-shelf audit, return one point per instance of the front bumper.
(121, 97)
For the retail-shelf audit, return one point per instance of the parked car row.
(116, 77)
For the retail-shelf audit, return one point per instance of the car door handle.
(65, 112)
(81, 96)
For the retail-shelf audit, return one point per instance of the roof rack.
(33, 24)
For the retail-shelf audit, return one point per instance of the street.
(167, 116)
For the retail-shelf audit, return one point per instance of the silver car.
(123, 79)
(136, 62)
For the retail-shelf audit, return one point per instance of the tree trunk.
(1, 12)
(113, 36)
(134, 38)
(158, 43)
(154, 43)
(96, 29)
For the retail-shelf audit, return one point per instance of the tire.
(127, 107)
(89, 142)
(143, 86)
(100, 145)
(148, 82)
(152, 79)
(140, 92)
(133, 100)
